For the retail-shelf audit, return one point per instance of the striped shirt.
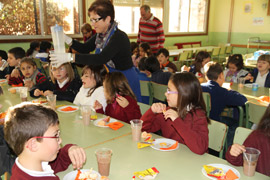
(151, 31)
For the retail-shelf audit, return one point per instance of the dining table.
(127, 158)
(176, 52)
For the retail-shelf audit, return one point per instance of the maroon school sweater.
(191, 131)
(114, 110)
(259, 141)
(61, 163)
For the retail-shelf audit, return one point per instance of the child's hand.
(185, 68)
(237, 149)
(7, 76)
(28, 84)
(77, 156)
(170, 113)
(123, 102)
(158, 107)
(249, 77)
(97, 105)
(48, 92)
(15, 73)
(38, 92)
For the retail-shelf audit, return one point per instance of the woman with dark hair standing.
(111, 45)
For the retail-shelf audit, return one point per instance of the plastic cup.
(86, 113)
(241, 82)
(52, 100)
(93, 114)
(255, 87)
(104, 160)
(23, 93)
(58, 39)
(136, 127)
(250, 158)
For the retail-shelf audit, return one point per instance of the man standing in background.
(150, 30)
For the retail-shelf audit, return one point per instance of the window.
(188, 16)
(127, 13)
(35, 17)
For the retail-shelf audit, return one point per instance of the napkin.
(115, 125)
(17, 85)
(171, 147)
(263, 99)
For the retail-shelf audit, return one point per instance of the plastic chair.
(79, 70)
(254, 113)
(187, 46)
(158, 91)
(143, 107)
(177, 64)
(215, 53)
(171, 47)
(145, 90)
(196, 45)
(241, 134)
(207, 101)
(217, 136)
(40, 67)
(183, 57)
(221, 57)
(229, 50)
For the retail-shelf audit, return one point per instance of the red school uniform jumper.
(114, 110)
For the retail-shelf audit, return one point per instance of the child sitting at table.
(144, 51)
(185, 119)
(45, 47)
(3, 64)
(259, 139)
(221, 98)
(163, 58)
(157, 75)
(14, 58)
(121, 101)
(235, 68)
(62, 83)
(196, 68)
(261, 74)
(32, 131)
(29, 75)
(92, 89)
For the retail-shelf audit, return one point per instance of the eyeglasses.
(171, 92)
(57, 136)
(95, 20)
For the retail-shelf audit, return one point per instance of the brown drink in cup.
(250, 158)
(104, 160)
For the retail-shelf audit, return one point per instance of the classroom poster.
(258, 21)
(248, 7)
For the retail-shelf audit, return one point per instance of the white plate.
(16, 88)
(224, 167)
(62, 107)
(169, 143)
(72, 175)
(40, 101)
(96, 122)
(248, 85)
(3, 80)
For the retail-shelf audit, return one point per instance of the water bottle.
(58, 39)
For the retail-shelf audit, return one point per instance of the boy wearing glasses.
(32, 131)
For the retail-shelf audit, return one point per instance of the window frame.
(30, 38)
(83, 15)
